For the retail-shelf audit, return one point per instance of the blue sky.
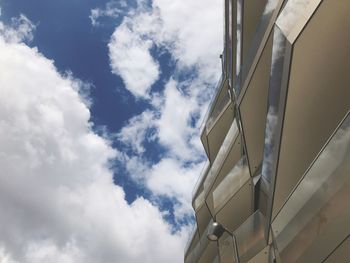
(102, 104)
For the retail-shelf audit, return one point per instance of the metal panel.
(261, 257)
(209, 254)
(318, 93)
(316, 216)
(341, 254)
(238, 208)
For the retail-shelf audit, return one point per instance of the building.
(277, 137)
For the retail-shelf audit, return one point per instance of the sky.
(101, 104)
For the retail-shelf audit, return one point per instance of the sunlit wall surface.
(277, 137)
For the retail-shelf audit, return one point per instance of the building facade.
(277, 137)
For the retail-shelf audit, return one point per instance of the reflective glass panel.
(258, 37)
(199, 201)
(273, 112)
(227, 249)
(231, 184)
(291, 13)
(230, 42)
(250, 237)
(216, 92)
(196, 253)
(237, 86)
(220, 158)
(220, 106)
(200, 180)
(191, 239)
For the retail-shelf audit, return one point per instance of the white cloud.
(173, 126)
(175, 174)
(131, 59)
(21, 29)
(180, 28)
(58, 201)
(168, 178)
(137, 131)
(112, 9)
(192, 33)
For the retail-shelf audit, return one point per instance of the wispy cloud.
(113, 9)
(138, 129)
(20, 29)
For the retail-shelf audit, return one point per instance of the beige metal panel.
(252, 12)
(209, 253)
(316, 217)
(203, 217)
(341, 254)
(237, 209)
(253, 109)
(318, 93)
(261, 257)
(327, 238)
(217, 134)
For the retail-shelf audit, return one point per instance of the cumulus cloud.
(174, 130)
(131, 59)
(167, 123)
(192, 34)
(191, 40)
(168, 178)
(58, 201)
(194, 31)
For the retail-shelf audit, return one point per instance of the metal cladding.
(277, 137)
